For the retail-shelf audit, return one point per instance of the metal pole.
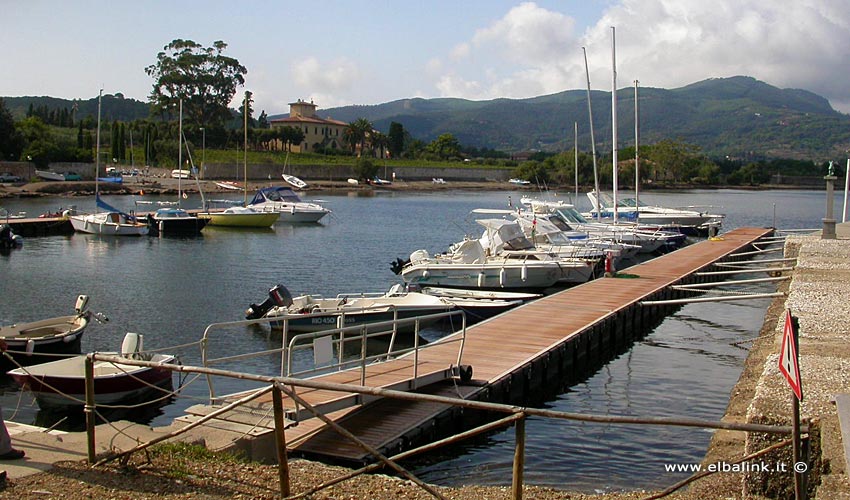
(799, 491)
(592, 141)
(637, 156)
(89, 409)
(614, 116)
(575, 124)
(846, 187)
(519, 460)
(280, 437)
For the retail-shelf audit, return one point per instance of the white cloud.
(663, 43)
(328, 80)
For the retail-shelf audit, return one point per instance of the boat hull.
(61, 384)
(27, 342)
(257, 219)
(176, 226)
(332, 320)
(496, 276)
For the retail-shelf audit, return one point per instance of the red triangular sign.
(788, 360)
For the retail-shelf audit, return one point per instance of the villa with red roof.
(318, 132)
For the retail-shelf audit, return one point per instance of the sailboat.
(175, 220)
(242, 216)
(112, 222)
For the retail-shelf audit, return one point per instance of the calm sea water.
(170, 289)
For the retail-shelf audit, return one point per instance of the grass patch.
(182, 456)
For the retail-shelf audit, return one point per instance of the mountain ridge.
(739, 117)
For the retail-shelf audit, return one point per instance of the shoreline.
(169, 186)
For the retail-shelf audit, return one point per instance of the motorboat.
(503, 258)
(61, 384)
(175, 221)
(649, 239)
(519, 182)
(28, 342)
(240, 217)
(179, 173)
(684, 219)
(284, 200)
(312, 313)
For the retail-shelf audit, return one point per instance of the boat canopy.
(501, 234)
(171, 213)
(275, 193)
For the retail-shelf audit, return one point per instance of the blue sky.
(372, 51)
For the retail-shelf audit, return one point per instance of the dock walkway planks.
(496, 348)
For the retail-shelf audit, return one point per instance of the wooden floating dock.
(543, 344)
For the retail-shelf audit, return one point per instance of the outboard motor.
(398, 264)
(278, 296)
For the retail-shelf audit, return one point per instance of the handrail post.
(416, 353)
(363, 333)
(284, 353)
(89, 408)
(519, 459)
(280, 437)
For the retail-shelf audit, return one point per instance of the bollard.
(828, 231)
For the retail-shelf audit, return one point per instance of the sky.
(362, 52)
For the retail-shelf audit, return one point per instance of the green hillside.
(738, 117)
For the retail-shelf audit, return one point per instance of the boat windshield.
(279, 194)
(571, 215)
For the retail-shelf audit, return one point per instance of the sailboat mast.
(97, 149)
(575, 138)
(592, 141)
(179, 151)
(637, 155)
(245, 147)
(614, 115)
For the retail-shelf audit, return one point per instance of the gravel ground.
(198, 474)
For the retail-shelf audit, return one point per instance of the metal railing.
(364, 333)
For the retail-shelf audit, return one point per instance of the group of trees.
(667, 162)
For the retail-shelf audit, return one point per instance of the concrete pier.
(817, 296)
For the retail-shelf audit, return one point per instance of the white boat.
(180, 174)
(648, 239)
(689, 220)
(438, 180)
(284, 200)
(59, 335)
(377, 181)
(353, 182)
(112, 222)
(233, 186)
(519, 182)
(49, 176)
(241, 217)
(61, 384)
(312, 313)
(294, 181)
(502, 258)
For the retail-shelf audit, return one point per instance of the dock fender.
(465, 372)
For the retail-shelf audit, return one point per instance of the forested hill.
(113, 107)
(738, 117)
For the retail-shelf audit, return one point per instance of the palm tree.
(380, 142)
(356, 134)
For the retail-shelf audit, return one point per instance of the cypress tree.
(80, 136)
